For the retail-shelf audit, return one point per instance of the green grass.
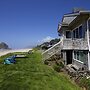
(31, 74)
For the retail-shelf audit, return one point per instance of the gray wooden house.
(74, 31)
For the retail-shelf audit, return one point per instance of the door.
(69, 57)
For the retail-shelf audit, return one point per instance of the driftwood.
(20, 56)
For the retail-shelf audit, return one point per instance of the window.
(74, 34)
(89, 24)
(80, 55)
(78, 33)
(68, 34)
(89, 27)
(75, 55)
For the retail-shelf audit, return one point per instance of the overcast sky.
(28, 22)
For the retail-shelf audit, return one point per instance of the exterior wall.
(78, 63)
(89, 60)
(76, 43)
(64, 57)
(83, 60)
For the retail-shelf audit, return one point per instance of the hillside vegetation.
(47, 45)
(31, 74)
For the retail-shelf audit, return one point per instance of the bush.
(58, 67)
(60, 64)
(85, 83)
(46, 62)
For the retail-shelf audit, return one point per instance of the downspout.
(88, 46)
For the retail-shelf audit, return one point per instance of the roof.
(68, 18)
(77, 13)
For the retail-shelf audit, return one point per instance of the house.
(75, 31)
(74, 44)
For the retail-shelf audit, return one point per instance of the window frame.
(74, 34)
(88, 24)
(70, 34)
(77, 56)
(80, 32)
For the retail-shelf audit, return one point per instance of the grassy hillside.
(31, 74)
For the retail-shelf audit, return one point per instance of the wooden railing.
(53, 50)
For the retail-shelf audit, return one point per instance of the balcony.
(78, 44)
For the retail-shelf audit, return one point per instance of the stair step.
(69, 69)
(75, 67)
(53, 50)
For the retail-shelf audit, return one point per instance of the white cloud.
(46, 39)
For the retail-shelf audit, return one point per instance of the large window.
(68, 34)
(80, 55)
(78, 33)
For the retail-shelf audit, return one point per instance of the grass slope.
(31, 74)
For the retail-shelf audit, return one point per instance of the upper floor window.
(74, 34)
(89, 24)
(68, 34)
(78, 32)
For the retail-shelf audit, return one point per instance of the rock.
(3, 46)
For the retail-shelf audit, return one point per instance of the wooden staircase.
(55, 49)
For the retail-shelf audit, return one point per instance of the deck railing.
(80, 44)
(53, 50)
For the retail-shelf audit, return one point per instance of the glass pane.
(80, 32)
(77, 33)
(68, 34)
(81, 56)
(75, 55)
(74, 34)
(85, 56)
(89, 25)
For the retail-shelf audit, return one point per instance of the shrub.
(46, 62)
(85, 83)
(58, 67)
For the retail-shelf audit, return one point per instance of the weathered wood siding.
(76, 43)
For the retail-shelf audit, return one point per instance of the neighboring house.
(75, 30)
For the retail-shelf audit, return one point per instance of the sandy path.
(4, 52)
